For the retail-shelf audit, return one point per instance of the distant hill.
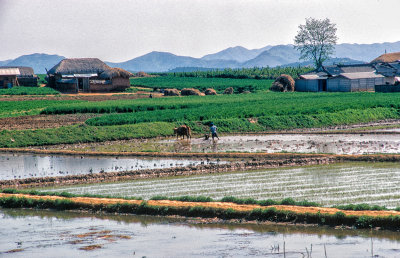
(37, 61)
(164, 61)
(365, 52)
(234, 57)
(239, 54)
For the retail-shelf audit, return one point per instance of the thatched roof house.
(26, 76)
(387, 58)
(87, 75)
(8, 77)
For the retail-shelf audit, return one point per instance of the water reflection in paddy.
(27, 165)
(30, 233)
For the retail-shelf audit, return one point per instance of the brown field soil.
(218, 205)
(82, 96)
(43, 121)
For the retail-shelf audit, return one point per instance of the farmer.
(213, 130)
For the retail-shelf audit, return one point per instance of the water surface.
(30, 233)
(15, 166)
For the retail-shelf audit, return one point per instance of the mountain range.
(233, 57)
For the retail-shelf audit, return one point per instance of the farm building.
(344, 78)
(26, 76)
(8, 77)
(87, 75)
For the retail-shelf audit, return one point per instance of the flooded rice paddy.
(302, 143)
(30, 233)
(15, 166)
(334, 184)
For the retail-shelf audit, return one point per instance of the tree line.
(244, 73)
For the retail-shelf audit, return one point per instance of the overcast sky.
(124, 29)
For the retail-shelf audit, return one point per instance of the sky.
(124, 29)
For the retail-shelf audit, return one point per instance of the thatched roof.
(387, 58)
(24, 71)
(71, 66)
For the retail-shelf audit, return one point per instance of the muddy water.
(307, 143)
(29, 233)
(333, 184)
(303, 143)
(14, 166)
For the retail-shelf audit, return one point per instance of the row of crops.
(337, 184)
(247, 105)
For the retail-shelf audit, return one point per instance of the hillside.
(233, 57)
(238, 53)
(37, 61)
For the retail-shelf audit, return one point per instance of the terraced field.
(337, 184)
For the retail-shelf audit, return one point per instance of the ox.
(183, 130)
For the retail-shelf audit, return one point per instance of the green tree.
(316, 40)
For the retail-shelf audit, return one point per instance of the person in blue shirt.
(213, 130)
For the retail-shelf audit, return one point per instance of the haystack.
(190, 91)
(283, 83)
(228, 90)
(142, 74)
(210, 91)
(171, 92)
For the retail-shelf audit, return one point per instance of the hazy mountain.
(37, 61)
(366, 52)
(239, 54)
(234, 57)
(5, 62)
(275, 56)
(164, 61)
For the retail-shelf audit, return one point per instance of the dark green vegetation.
(21, 90)
(245, 73)
(231, 113)
(83, 133)
(267, 214)
(29, 107)
(41, 79)
(219, 84)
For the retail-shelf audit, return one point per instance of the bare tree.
(316, 40)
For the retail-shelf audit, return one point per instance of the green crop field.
(219, 84)
(21, 90)
(29, 107)
(255, 112)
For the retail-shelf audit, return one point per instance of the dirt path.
(219, 205)
(43, 121)
(81, 96)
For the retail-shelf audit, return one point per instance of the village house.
(381, 74)
(87, 75)
(8, 77)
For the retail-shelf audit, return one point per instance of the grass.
(29, 107)
(82, 133)
(267, 214)
(21, 90)
(219, 84)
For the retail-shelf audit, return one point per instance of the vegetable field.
(21, 90)
(337, 184)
